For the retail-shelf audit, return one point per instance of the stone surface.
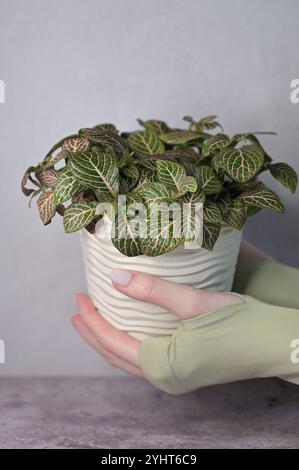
(129, 413)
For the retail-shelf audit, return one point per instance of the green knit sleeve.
(248, 340)
(269, 281)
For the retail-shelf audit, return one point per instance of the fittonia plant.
(156, 164)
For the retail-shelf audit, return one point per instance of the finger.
(180, 299)
(116, 341)
(113, 360)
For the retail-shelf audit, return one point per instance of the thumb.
(182, 300)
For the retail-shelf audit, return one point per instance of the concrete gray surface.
(128, 413)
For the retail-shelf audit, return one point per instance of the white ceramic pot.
(210, 270)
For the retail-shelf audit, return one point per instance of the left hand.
(117, 347)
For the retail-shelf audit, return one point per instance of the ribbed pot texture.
(210, 270)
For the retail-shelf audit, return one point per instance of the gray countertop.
(129, 413)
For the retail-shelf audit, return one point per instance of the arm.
(222, 337)
(260, 276)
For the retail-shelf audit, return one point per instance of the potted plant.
(83, 175)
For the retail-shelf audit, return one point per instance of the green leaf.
(236, 214)
(96, 170)
(145, 143)
(106, 127)
(132, 171)
(170, 173)
(160, 240)
(147, 176)
(46, 206)
(66, 186)
(28, 177)
(207, 180)
(78, 215)
(183, 153)
(154, 125)
(179, 137)
(208, 122)
(286, 175)
(155, 193)
(223, 200)
(193, 198)
(188, 184)
(76, 145)
(49, 178)
(126, 184)
(125, 240)
(263, 197)
(211, 212)
(249, 137)
(111, 139)
(215, 142)
(211, 232)
(244, 163)
(217, 164)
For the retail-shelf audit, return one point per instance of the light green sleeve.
(249, 340)
(269, 281)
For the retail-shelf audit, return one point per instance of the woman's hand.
(117, 347)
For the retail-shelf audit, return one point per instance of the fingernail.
(121, 277)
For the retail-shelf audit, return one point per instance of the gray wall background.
(73, 63)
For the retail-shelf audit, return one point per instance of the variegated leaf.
(286, 175)
(126, 184)
(154, 125)
(223, 200)
(183, 153)
(96, 170)
(262, 197)
(160, 240)
(154, 193)
(49, 177)
(215, 142)
(207, 180)
(249, 137)
(46, 206)
(106, 127)
(236, 214)
(110, 138)
(189, 184)
(28, 177)
(211, 232)
(208, 122)
(132, 171)
(244, 163)
(147, 176)
(211, 212)
(79, 215)
(66, 187)
(146, 142)
(78, 145)
(125, 239)
(171, 174)
(178, 137)
(217, 163)
(193, 198)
